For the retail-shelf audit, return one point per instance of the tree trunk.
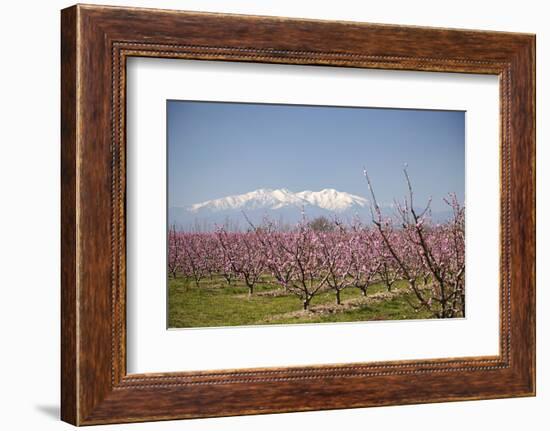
(338, 300)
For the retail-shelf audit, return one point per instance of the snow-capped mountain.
(328, 199)
(333, 200)
(280, 204)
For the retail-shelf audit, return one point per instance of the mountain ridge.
(281, 205)
(273, 199)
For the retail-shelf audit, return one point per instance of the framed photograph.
(264, 214)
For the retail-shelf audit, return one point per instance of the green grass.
(215, 303)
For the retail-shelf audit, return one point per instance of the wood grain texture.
(96, 41)
(69, 367)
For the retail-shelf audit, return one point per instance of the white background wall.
(29, 215)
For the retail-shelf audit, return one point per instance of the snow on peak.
(328, 199)
(332, 200)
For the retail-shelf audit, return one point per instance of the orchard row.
(307, 260)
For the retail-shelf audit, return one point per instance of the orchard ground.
(215, 303)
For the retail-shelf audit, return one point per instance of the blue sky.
(219, 149)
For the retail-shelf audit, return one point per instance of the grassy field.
(215, 303)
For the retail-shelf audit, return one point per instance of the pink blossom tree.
(175, 252)
(337, 252)
(430, 258)
(309, 277)
(244, 256)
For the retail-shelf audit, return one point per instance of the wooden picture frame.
(95, 43)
